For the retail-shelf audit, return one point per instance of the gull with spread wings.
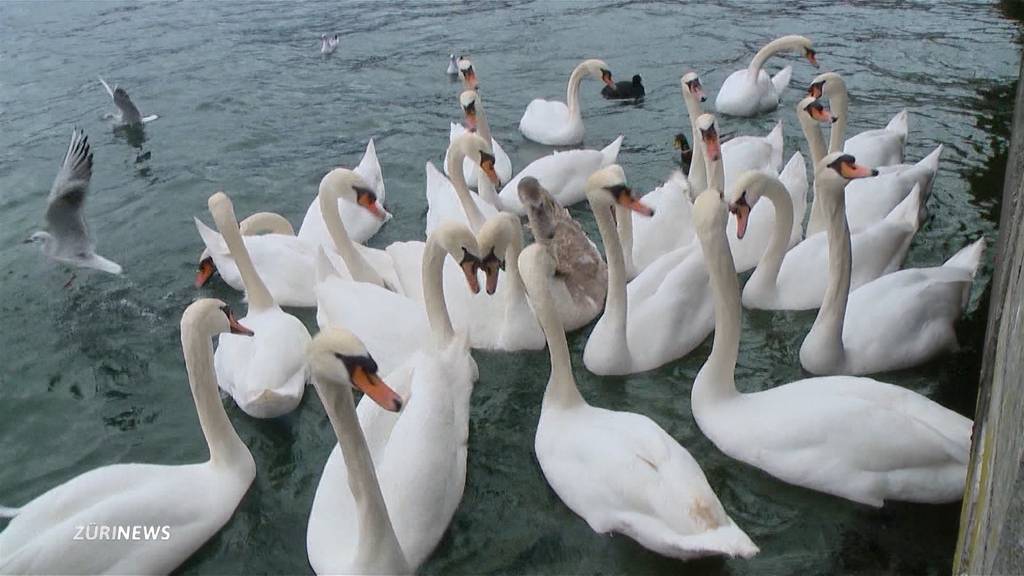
(128, 114)
(66, 238)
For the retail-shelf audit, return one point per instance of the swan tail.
(909, 210)
(968, 258)
(110, 90)
(324, 267)
(610, 152)
(6, 512)
(899, 124)
(781, 80)
(930, 164)
(726, 540)
(774, 139)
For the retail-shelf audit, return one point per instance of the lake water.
(92, 374)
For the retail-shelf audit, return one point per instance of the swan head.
(607, 187)
(345, 184)
(691, 85)
(709, 214)
(836, 170)
(467, 73)
(479, 150)
(457, 240)
(828, 84)
(469, 102)
(810, 109)
(539, 208)
(598, 69)
(744, 194)
(496, 236)
(708, 128)
(338, 358)
(212, 317)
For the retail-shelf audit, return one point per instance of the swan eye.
(351, 363)
(619, 190)
(365, 196)
(839, 163)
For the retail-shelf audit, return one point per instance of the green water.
(92, 374)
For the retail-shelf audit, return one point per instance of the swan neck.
(482, 128)
(572, 91)
(433, 292)
(615, 304)
(840, 103)
(358, 268)
(458, 179)
(226, 448)
(816, 145)
(769, 50)
(624, 230)
(377, 539)
(561, 391)
(771, 259)
(716, 379)
(258, 295)
(698, 176)
(828, 325)
(516, 290)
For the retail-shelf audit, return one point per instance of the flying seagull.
(66, 238)
(127, 114)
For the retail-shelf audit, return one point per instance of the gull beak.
(376, 389)
(206, 270)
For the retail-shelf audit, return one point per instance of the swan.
(564, 174)
(253, 225)
(881, 147)
(852, 437)
(632, 90)
(67, 238)
(555, 123)
(897, 321)
(362, 219)
(581, 274)
(185, 505)
(661, 315)
(452, 200)
(360, 538)
(127, 113)
(453, 66)
(420, 454)
(328, 44)
(868, 200)
(266, 373)
(796, 279)
(751, 92)
(620, 471)
(473, 107)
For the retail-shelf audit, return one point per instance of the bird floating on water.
(328, 44)
(127, 113)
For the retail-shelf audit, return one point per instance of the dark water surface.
(92, 374)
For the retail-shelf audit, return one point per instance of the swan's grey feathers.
(64, 218)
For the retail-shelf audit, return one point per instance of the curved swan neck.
(615, 304)
(256, 291)
(770, 49)
(358, 268)
(561, 391)
(458, 178)
(839, 102)
(816, 145)
(832, 314)
(433, 292)
(698, 176)
(266, 223)
(771, 259)
(226, 448)
(378, 545)
(572, 91)
(515, 280)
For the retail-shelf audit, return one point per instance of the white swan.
(796, 279)
(420, 454)
(897, 321)
(855, 438)
(180, 507)
(266, 373)
(620, 471)
(253, 225)
(564, 174)
(880, 147)
(451, 200)
(453, 66)
(661, 315)
(476, 119)
(556, 123)
(362, 219)
(359, 538)
(750, 91)
(868, 200)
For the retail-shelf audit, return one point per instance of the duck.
(632, 90)
(679, 142)
(868, 200)
(880, 147)
(852, 437)
(559, 124)
(362, 220)
(563, 173)
(67, 238)
(360, 537)
(451, 199)
(750, 92)
(328, 44)
(620, 471)
(663, 314)
(796, 279)
(898, 321)
(265, 374)
(179, 507)
(453, 65)
(476, 120)
(581, 279)
(127, 112)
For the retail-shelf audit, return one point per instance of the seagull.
(66, 238)
(328, 45)
(128, 114)
(453, 66)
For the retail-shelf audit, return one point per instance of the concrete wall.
(992, 521)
